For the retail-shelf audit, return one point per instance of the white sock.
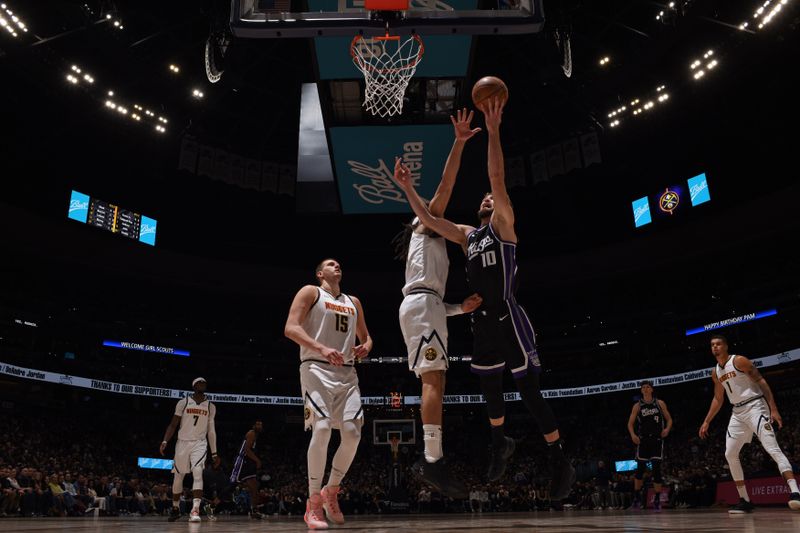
(196, 504)
(742, 490)
(792, 485)
(433, 442)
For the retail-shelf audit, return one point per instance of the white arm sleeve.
(212, 430)
(453, 309)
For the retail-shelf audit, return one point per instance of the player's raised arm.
(363, 349)
(452, 232)
(716, 405)
(463, 133)
(302, 303)
(503, 215)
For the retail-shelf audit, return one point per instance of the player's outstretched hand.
(216, 460)
(703, 430)
(493, 114)
(471, 303)
(461, 124)
(334, 357)
(664, 433)
(636, 440)
(402, 175)
(777, 419)
(162, 448)
(361, 351)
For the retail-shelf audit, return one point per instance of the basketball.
(488, 87)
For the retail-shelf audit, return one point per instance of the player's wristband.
(163, 442)
(213, 454)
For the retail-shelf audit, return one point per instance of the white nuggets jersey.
(331, 321)
(738, 385)
(427, 264)
(194, 418)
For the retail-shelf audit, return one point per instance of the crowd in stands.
(57, 465)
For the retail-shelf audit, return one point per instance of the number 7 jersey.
(331, 321)
(194, 418)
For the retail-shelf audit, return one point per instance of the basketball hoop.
(387, 62)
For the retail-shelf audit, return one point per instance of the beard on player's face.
(485, 212)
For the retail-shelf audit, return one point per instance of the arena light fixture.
(174, 69)
(197, 93)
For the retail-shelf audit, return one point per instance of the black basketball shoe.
(742, 507)
(562, 481)
(438, 476)
(499, 459)
(174, 514)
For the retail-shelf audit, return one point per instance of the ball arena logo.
(669, 201)
(380, 186)
(78, 205)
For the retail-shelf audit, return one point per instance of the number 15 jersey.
(331, 321)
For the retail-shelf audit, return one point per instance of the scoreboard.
(112, 218)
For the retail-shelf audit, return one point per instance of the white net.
(387, 65)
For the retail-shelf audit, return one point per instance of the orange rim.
(366, 66)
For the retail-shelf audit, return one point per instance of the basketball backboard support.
(384, 430)
(275, 19)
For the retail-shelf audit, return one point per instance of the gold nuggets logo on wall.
(307, 413)
(431, 354)
(669, 201)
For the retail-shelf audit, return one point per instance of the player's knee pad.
(641, 468)
(492, 388)
(531, 394)
(351, 432)
(657, 472)
(177, 483)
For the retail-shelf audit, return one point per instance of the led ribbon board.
(732, 321)
(146, 347)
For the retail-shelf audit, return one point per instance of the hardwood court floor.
(714, 520)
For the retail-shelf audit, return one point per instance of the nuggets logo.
(431, 354)
(306, 413)
(669, 201)
(768, 427)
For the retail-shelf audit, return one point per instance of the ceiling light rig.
(700, 68)
(174, 69)
(765, 13)
(197, 93)
(135, 112)
(605, 61)
(637, 107)
(117, 23)
(11, 22)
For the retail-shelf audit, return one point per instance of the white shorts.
(749, 419)
(330, 392)
(423, 320)
(189, 454)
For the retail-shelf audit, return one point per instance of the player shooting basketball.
(503, 335)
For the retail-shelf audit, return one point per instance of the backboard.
(273, 19)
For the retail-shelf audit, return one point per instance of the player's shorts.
(243, 469)
(189, 454)
(330, 392)
(749, 419)
(503, 337)
(650, 448)
(423, 321)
